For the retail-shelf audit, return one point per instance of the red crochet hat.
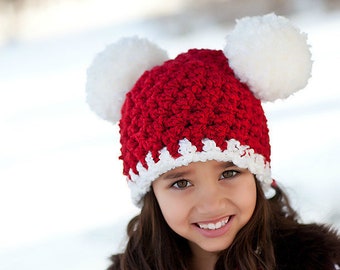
(202, 105)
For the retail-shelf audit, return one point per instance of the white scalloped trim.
(241, 155)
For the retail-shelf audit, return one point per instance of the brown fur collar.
(307, 247)
(304, 247)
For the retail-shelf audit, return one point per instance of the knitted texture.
(202, 105)
(194, 97)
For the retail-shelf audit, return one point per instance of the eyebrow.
(226, 164)
(175, 175)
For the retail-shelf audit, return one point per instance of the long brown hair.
(152, 244)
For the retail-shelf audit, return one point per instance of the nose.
(210, 198)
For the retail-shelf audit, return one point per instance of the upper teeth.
(214, 226)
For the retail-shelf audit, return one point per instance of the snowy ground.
(63, 201)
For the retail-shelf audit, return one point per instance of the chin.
(214, 247)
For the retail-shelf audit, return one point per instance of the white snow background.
(64, 203)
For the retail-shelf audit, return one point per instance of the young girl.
(196, 152)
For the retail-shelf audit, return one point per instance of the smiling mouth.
(214, 226)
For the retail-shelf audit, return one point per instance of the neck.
(201, 259)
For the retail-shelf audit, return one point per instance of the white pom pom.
(270, 55)
(115, 70)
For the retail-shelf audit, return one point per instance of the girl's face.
(206, 202)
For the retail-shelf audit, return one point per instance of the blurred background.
(63, 201)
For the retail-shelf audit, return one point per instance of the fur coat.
(304, 247)
(307, 247)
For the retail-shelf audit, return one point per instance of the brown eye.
(229, 174)
(181, 184)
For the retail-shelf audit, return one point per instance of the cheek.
(249, 198)
(167, 205)
(164, 204)
(173, 209)
(245, 198)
